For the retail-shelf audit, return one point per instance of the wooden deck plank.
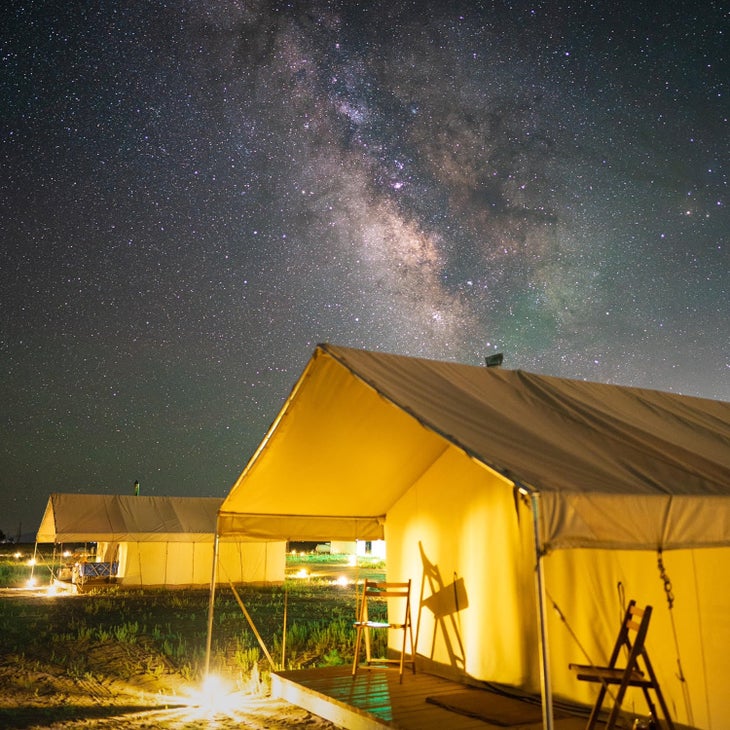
(376, 700)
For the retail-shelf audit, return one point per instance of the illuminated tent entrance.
(482, 480)
(155, 541)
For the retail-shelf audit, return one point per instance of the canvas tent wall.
(158, 541)
(471, 473)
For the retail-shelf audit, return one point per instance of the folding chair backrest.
(384, 590)
(633, 634)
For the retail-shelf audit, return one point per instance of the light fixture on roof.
(494, 361)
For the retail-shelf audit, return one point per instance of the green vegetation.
(16, 568)
(153, 633)
(14, 571)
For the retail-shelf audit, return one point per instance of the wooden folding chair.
(379, 590)
(631, 638)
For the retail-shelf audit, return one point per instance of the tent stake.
(547, 693)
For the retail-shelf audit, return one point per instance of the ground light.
(215, 696)
(215, 706)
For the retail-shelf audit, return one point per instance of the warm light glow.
(215, 703)
(32, 582)
(215, 696)
(342, 581)
(352, 561)
(303, 573)
(32, 561)
(18, 555)
(52, 590)
(66, 553)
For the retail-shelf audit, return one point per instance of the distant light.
(66, 553)
(32, 582)
(352, 561)
(52, 590)
(18, 555)
(342, 581)
(303, 573)
(32, 561)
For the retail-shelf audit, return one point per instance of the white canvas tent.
(480, 479)
(158, 541)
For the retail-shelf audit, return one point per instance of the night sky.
(194, 194)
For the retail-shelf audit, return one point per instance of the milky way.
(195, 194)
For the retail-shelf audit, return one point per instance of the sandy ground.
(34, 697)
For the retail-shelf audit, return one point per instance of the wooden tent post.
(32, 563)
(211, 604)
(283, 631)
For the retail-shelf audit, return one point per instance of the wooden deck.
(375, 700)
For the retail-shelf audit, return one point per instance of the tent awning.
(613, 466)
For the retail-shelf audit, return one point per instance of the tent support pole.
(211, 603)
(32, 563)
(545, 680)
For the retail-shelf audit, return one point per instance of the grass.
(151, 633)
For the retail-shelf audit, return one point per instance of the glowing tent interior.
(482, 479)
(158, 541)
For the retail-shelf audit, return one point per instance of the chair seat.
(377, 625)
(612, 675)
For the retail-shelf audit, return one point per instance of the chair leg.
(613, 717)
(665, 710)
(659, 695)
(652, 707)
(402, 656)
(367, 645)
(413, 648)
(357, 652)
(358, 640)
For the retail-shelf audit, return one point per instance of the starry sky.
(195, 193)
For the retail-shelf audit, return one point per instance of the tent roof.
(612, 465)
(128, 518)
